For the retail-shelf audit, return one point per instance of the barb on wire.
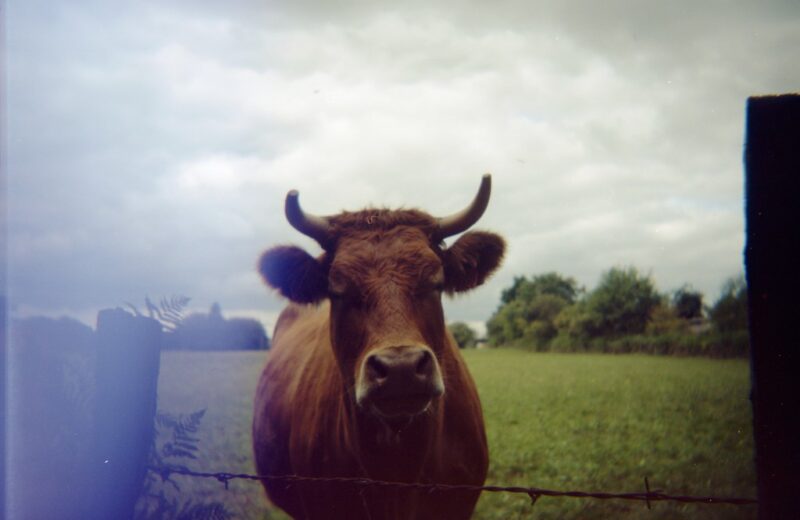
(532, 492)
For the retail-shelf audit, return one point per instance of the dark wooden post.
(50, 441)
(128, 357)
(772, 161)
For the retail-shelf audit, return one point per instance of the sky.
(150, 145)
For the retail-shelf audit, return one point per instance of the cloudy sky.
(150, 145)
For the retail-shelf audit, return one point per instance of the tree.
(729, 313)
(554, 284)
(577, 324)
(506, 324)
(621, 304)
(463, 334)
(541, 313)
(551, 283)
(688, 303)
(529, 308)
(665, 319)
(510, 294)
(246, 334)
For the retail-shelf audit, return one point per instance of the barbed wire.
(533, 493)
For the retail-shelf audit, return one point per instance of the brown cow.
(363, 379)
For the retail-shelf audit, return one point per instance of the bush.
(729, 313)
(463, 334)
(665, 319)
(528, 310)
(688, 303)
(726, 344)
(623, 302)
(624, 314)
(675, 343)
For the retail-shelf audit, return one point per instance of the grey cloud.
(150, 147)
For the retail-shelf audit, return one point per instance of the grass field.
(556, 421)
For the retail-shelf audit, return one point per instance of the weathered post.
(50, 392)
(772, 161)
(128, 357)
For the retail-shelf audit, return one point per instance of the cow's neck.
(396, 451)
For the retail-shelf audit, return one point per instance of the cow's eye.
(435, 284)
(337, 286)
(346, 295)
(430, 289)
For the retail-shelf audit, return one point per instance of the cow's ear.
(471, 260)
(296, 274)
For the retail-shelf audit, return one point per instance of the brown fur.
(386, 274)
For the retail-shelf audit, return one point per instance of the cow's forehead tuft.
(403, 248)
(376, 219)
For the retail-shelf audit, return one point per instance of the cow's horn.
(313, 226)
(464, 219)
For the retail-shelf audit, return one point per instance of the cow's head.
(384, 273)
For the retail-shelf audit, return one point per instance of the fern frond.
(166, 420)
(133, 308)
(154, 503)
(152, 310)
(212, 511)
(168, 312)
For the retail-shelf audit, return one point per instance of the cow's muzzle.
(399, 381)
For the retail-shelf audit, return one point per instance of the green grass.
(603, 423)
(556, 421)
(223, 383)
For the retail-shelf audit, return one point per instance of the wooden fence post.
(128, 358)
(772, 163)
(50, 396)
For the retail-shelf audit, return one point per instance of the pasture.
(559, 421)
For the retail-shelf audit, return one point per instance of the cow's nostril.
(377, 368)
(424, 363)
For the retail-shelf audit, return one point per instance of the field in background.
(557, 421)
(602, 423)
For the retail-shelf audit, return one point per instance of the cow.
(363, 378)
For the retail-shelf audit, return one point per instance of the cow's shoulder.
(298, 319)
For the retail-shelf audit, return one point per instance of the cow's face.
(387, 326)
(384, 281)
(386, 319)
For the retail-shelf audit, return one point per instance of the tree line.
(196, 331)
(199, 331)
(623, 313)
(212, 331)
